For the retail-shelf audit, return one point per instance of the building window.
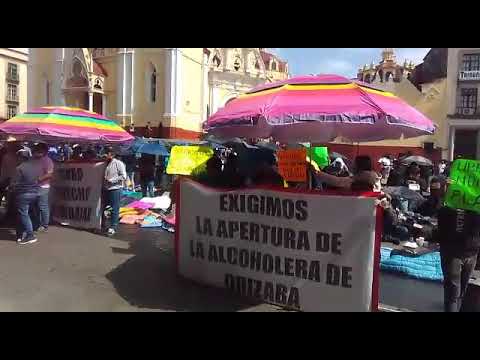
(12, 92)
(216, 61)
(469, 98)
(11, 111)
(274, 66)
(153, 86)
(12, 71)
(471, 62)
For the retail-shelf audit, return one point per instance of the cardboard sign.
(188, 160)
(292, 164)
(319, 154)
(294, 249)
(77, 194)
(464, 190)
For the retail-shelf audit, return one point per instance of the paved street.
(71, 270)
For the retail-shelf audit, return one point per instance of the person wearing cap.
(26, 189)
(434, 201)
(115, 176)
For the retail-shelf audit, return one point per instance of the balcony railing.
(12, 77)
(12, 98)
(469, 75)
(468, 112)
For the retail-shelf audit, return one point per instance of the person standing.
(45, 164)
(147, 175)
(459, 237)
(25, 186)
(115, 176)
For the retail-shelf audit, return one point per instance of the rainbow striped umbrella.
(60, 123)
(318, 109)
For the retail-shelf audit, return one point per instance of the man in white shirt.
(45, 164)
(115, 176)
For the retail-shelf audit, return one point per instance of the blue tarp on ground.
(425, 267)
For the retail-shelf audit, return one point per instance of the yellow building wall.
(144, 109)
(190, 117)
(43, 62)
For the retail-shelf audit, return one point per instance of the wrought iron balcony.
(469, 75)
(466, 113)
(13, 77)
(12, 98)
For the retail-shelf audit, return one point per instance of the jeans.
(112, 198)
(44, 206)
(23, 203)
(147, 188)
(456, 273)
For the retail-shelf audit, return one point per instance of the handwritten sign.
(188, 160)
(77, 194)
(319, 154)
(464, 190)
(292, 164)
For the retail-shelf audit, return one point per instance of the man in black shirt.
(459, 238)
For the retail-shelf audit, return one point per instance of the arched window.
(274, 66)
(380, 74)
(216, 61)
(153, 85)
(388, 76)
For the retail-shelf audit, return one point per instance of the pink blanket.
(140, 205)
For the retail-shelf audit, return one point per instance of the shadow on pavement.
(151, 282)
(148, 279)
(7, 233)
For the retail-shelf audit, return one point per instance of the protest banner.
(188, 160)
(464, 190)
(77, 194)
(292, 164)
(297, 250)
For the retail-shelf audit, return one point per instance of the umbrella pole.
(309, 173)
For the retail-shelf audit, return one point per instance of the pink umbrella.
(319, 109)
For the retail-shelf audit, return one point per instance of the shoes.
(27, 240)
(111, 232)
(42, 229)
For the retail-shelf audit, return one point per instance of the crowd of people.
(27, 169)
(411, 195)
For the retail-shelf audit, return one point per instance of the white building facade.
(463, 115)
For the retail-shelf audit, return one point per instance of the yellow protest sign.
(188, 160)
(292, 164)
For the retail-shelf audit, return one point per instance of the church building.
(159, 92)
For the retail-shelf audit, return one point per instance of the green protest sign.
(464, 190)
(320, 156)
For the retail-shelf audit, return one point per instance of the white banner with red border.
(301, 250)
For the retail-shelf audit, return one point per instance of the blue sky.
(340, 61)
